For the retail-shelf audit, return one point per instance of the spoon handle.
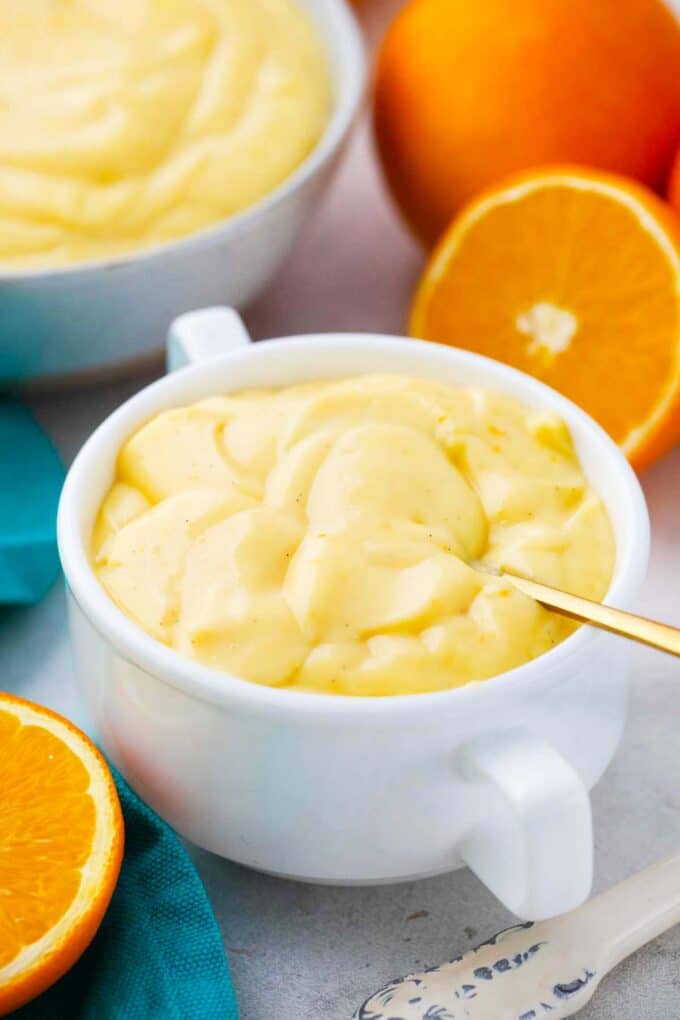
(648, 632)
(633, 912)
(553, 967)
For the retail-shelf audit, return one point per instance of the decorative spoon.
(648, 632)
(550, 969)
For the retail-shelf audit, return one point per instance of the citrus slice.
(61, 845)
(574, 277)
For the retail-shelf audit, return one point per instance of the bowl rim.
(350, 87)
(228, 690)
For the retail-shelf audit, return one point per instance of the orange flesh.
(47, 824)
(591, 259)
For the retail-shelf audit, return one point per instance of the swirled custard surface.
(320, 536)
(127, 123)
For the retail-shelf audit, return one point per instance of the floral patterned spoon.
(550, 969)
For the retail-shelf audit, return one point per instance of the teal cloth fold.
(31, 476)
(158, 954)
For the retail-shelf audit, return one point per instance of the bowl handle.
(533, 843)
(204, 335)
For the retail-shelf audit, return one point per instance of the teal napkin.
(31, 476)
(158, 954)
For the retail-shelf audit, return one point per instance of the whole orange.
(467, 92)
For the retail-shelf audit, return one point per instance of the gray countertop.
(301, 952)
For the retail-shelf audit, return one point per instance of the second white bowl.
(84, 320)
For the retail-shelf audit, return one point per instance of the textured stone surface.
(311, 953)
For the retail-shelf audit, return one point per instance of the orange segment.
(61, 844)
(574, 277)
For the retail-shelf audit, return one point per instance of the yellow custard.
(127, 123)
(319, 537)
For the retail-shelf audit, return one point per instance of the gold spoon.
(639, 628)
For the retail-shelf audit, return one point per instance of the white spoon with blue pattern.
(545, 970)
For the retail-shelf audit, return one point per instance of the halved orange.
(61, 846)
(573, 276)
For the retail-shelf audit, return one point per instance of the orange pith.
(61, 841)
(574, 277)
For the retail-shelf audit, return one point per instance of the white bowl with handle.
(358, 789)
(66, 324)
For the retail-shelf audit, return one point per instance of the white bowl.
(81, 321)
(351, 789)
